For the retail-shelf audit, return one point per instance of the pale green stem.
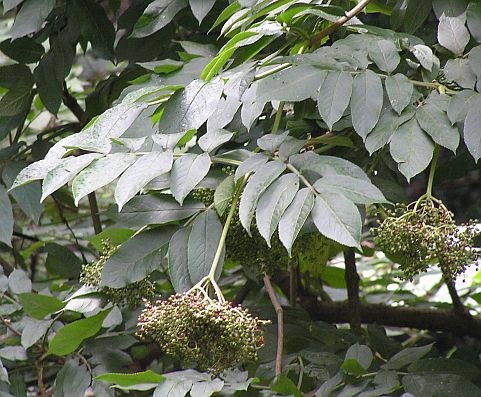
(432, 171)
(225, 230)
(277, 120)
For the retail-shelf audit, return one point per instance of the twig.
(340, 21)
(241, 294)
(9, 326)
(94, 212)
(352, 282)
(42, 391)
(457, 303)
(72, 103)
(292, 283)
(280, 322)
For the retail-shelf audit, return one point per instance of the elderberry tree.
(212, 198)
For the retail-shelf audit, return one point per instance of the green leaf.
(436, 123)
(334, 96)
(158, 14)
(416, 13)
(6, 215)
(213, 139)
(285, 387)
(200, 8)
(30, 17)
(38, 306)
(452, 34)
(19, 281)
(424, 55)
(23, 50)
(13, 353)
(472, 128)
(293, 84)
(178, 260)
(460, 103)
(458, 70)
(384, 54)
(72, 380)
(338, 218)
(100, 173)
(137, 381)
(474, 58)
(295, 216)
(60, 174)
(223, 194)
(407, 356)
(385, 128)
(274, 202)
(95, 26)
(146, 168)
(163, 66)
(226, 13)
(272, 142)
(136, 258)
(28, 196)
(33, 331)
(249, 165)
(98, 135)
(152, 209)
(202, 246)
(257, 184)
(62, 261)
(439, 385)
(173, 388)
(187, 172)
(361, 354)
(366, 102)
(224, 113)
(445, 366)
(399, 90)
(68, 338)
(189, 108)
(10, 4)
(411, 148)
(328, 165)
(115, 235)
(358, 191)
(473, 15)
(207, 388)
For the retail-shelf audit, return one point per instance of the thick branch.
(410, 317)
(339, 22)
(280, 322)
(352, 283)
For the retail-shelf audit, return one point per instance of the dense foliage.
(240, 198)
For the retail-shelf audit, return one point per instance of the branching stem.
(280, 322)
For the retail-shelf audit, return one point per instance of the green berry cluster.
(425, 233)
(204, 195)
(207, 333)
(132, 295)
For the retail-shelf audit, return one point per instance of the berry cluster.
(425, 233)
(132, 295)
(211, 334)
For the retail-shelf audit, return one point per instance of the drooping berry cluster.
(132, 295)
(206, 333)
(426, 233)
